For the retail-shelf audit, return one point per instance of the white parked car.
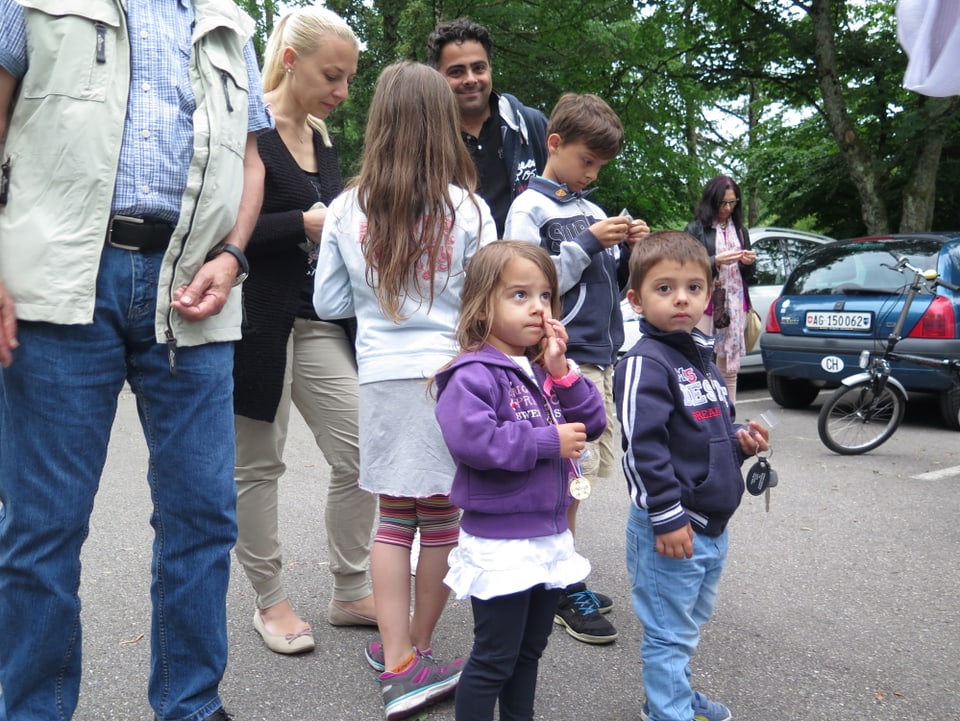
(778, 250)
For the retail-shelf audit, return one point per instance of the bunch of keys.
(761, 477)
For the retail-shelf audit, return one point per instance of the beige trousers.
(321, 381)
(602, 462)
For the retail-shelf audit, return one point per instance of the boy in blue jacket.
(682, 457)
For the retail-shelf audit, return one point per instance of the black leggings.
(509, 636)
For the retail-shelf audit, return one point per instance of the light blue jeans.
(672, 598)
(57, 405)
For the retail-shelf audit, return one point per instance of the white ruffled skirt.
(490, 567)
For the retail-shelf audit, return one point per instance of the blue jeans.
(672, 598)
(57, 405)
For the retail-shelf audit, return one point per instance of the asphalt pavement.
(840, 603)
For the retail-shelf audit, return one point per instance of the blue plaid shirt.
(158, 132)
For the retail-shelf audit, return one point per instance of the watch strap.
(233, 250)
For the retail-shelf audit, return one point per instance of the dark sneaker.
(604, 602)
(426, 682)
(703, 710)
(579, 613)
(219, 715)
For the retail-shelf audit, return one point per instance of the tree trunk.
(919, 194)
(753, 120)
(861, 164)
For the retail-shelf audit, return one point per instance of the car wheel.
(791, 392)
(950, 407)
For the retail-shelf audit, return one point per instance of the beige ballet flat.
(340, 616)
(288, 643)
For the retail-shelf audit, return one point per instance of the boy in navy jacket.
(682, 457)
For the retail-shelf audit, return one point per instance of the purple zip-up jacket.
(510, 481)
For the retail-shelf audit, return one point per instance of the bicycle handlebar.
(903, 262)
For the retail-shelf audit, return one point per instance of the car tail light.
(937, 322)
(773, 326)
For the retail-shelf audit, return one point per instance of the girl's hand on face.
(554, 346)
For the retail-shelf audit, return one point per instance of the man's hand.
(207, 293)
(8, 327)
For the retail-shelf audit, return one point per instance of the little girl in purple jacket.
(515, 415)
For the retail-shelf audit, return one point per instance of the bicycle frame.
(868, 407)
(877, 366)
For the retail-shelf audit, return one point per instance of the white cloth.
(489, 567)
(929, 31)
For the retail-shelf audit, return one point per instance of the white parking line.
(937, 475)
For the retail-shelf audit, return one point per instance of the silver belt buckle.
(124, 219)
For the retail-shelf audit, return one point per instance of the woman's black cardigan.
(278, 272)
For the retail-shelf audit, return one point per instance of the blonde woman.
(290, 354)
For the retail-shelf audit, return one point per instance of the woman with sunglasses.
(719, 226)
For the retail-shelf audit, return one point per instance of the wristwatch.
(573, 373)
(236, 253)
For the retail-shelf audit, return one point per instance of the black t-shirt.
(487, 153)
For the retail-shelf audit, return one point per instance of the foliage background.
(801, 101)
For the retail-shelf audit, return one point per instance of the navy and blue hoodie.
(510, 481)
(681, 454)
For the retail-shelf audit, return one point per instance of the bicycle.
(866, 410)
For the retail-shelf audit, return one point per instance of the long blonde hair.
(413, 152)
(303, 29)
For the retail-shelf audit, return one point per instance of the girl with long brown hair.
(393, 252)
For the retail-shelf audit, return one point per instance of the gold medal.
(580, 488)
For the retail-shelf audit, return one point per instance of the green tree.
(800, 100)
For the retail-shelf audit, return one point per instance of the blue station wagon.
(845, 297)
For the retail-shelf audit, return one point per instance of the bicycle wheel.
(856, 420)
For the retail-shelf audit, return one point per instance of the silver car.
(778, 250)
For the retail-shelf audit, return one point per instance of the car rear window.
(859, 268)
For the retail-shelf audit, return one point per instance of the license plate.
(838, 321)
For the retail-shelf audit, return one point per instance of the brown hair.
(587, 119)
(675, 245)
(412, 153)
(484, 278)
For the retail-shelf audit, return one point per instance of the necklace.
(293, 129)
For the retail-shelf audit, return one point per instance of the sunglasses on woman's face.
(731, 203)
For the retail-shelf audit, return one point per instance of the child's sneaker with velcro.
(425, 682)
(703, 709)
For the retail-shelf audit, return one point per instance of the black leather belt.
(140, 234)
